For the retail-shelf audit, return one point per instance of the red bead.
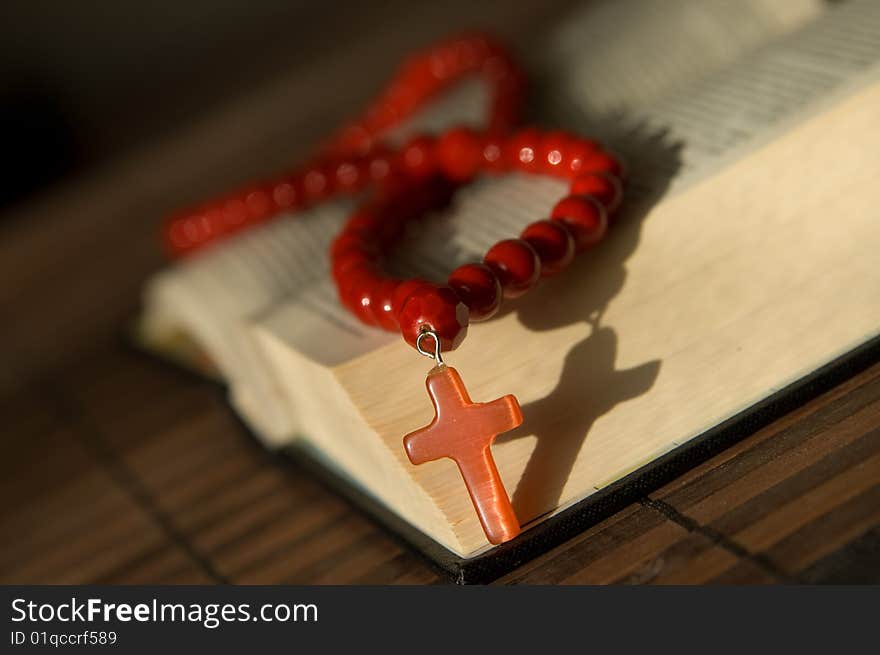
(553, 150)
(522, 151)
(234, 212)
(350, 176)
(443, 62)
(402, 293)
(353, 138)
(478, 288)
(459, 152)
(516, 265)
(196, 229)
(318, 183)
(584, 216)
(417, 157)
(578, 152)
(602, 162)
(380, 165)
(348, 260)
(355, 291)
(287, 194)
(382, 306)
(604, 187)
(494, 160)
(258, 204)
(439, 309)
(211, 223)
(553, 243)
(360, 303)
(193, 229)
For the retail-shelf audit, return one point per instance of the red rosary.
(409, 181)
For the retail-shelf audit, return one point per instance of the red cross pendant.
(463, 431)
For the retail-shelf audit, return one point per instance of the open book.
(747, 256)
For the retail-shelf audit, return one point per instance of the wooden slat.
(132, 397)
(168, 564)
(44, 548)
(638, 546)
(797, 490)
(32, 430)
(631, 536)
(857, 562)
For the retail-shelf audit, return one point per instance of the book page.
(716, 117)
(625, 54)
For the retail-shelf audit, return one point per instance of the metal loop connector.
(428, 332)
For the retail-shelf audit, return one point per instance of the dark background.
(81, 82)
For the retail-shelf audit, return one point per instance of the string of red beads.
(195, 228)
(511, 267)
(425, 74)
(419, 176)
(355, 158)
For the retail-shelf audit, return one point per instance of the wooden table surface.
(119, 469)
